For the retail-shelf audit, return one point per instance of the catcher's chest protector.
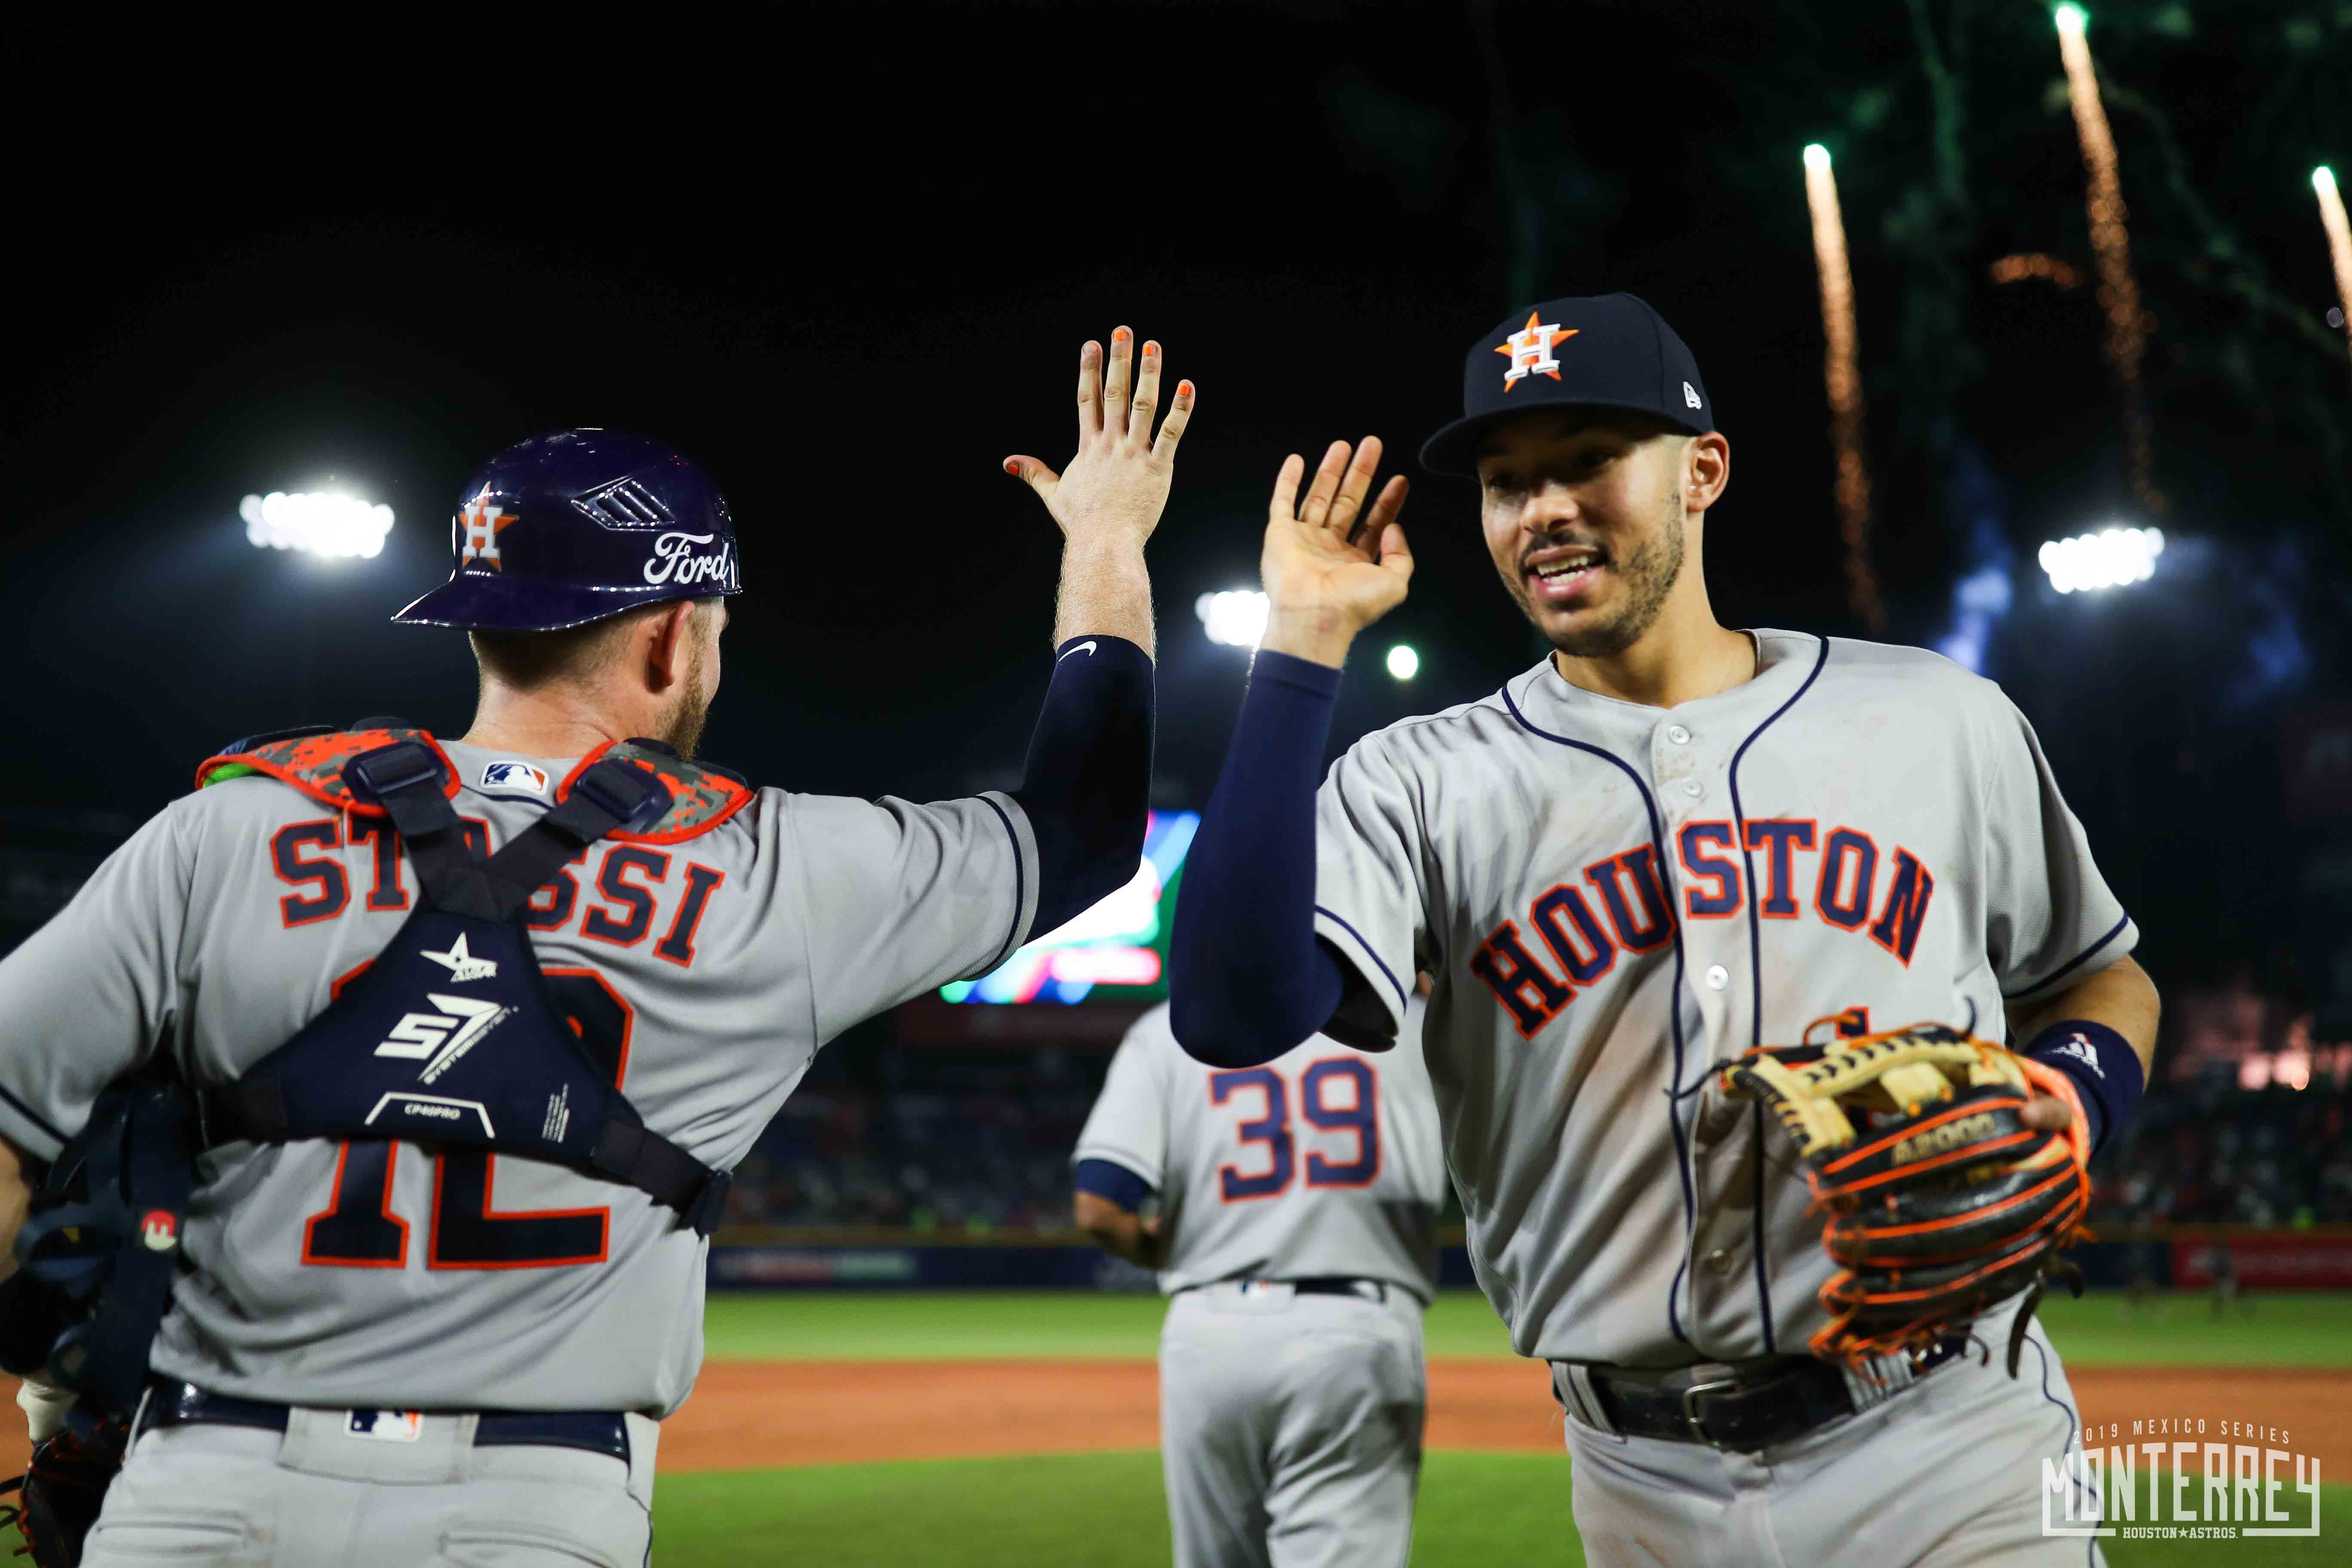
(451, 1034)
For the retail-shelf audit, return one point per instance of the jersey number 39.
(1337, 1094)
(359, 1230)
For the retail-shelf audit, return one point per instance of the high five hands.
(1113, 489)
(1331, 568)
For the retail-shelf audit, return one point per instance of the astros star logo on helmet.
(1530, 348)
(483, 521)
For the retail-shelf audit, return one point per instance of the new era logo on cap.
(1609, 352)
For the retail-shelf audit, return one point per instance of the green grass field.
(1106, 1509)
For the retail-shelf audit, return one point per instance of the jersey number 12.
(359, 1230)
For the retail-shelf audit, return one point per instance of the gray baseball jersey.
(1612, 898)
(223, 927)
(1322, 1161)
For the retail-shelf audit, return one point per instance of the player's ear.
(1707, 470)
(671, 652)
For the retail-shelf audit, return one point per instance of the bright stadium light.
(1403, 663)
(1235, 617)
(1817, 158)
(2111, 558)
(2323, 179)
(318, 523)
(2071, 19)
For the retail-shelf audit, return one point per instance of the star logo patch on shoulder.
(1530, 350)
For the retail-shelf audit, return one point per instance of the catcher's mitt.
(63, 1488)
(1943, 1202)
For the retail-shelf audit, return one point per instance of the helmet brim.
(484, 602)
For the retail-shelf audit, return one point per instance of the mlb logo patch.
(514, 775)
(385, 1425)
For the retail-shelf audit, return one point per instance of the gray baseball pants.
(317, 1497)
(1944, 1473)
(1290, 1426)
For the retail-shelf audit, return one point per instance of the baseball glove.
(1942, 1200)
(62, 1489)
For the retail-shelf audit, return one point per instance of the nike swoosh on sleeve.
(1086, 647)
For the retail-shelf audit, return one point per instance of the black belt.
(171, 1403)
(1744, 1410)
(1336, 1285)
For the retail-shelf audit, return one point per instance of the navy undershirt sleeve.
(1087, 788)
(1247, 979)
(1112, 1182)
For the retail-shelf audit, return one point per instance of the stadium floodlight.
(1235, 617)
(1817, 158)
(2071, 18)
(315, 522)
(2323, 179)
(1404, 662)
(2111, 558)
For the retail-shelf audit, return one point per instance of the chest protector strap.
(452, 1034)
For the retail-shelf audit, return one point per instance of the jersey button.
(1677, 734)
(1692, 788)
(1718, 1261)
(1717, 977)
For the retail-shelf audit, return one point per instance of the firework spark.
(2339, 237)
(2110, 245)
(1841, 370)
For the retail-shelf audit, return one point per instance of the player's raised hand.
(1331, 568)
(1113, 489)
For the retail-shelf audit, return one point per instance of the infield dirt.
(752, 1414)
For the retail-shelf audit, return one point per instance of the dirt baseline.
(751, 1415)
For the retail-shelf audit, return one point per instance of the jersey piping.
(1386, 972)
(2075, 962)
(1675, 1014)
(1020, 887)
(1756, 979)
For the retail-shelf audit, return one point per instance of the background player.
(389, 1355)
(1295, 1232)
(1667, 843)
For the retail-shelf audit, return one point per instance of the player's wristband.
(2103, 1067)
(1113, 1182)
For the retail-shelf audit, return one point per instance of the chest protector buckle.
(451, 1036)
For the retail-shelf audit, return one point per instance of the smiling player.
(1668, 844)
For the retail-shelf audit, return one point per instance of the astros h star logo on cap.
(483, 519)
(1530, 348)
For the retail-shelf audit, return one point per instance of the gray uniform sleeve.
(95, 991)
(901, 897)
(1368, 896)
(2050, 919)
(1128, 1125)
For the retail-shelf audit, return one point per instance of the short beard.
(681, 727)
(1650, 572)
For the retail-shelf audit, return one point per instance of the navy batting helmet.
(561, 529)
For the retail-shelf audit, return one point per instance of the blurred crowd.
(991, 1152)
(2209, 1152)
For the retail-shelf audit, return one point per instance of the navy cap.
(565, 529)
(1611, 351)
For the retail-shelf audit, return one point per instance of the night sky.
(847, 263)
